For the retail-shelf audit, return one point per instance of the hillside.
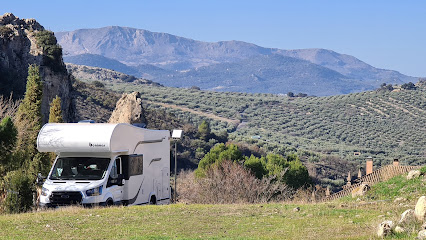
(266, 74)
(170, 59)
(382, 124)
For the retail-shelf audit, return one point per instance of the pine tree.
(204, 130)
(55, 114)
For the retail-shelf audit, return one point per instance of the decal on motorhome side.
(149, 141)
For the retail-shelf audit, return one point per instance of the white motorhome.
(105, 164)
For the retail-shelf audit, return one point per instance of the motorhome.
(105, 164)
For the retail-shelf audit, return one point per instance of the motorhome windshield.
(80, 168)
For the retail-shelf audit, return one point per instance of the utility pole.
(176, 135)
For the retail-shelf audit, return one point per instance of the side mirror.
(40, 179)
(120, 180)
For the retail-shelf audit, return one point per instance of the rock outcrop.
(413, 174)
(19, 49)
(128, 109)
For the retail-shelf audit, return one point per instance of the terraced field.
(385, 125)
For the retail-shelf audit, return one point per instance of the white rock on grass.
(399, 199)
(413, 174)
(399, 229)
(407, 217)
(384, 229)
(422, 235)
(420, 210)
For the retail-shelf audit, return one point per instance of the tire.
(109, 202)
(153, 200)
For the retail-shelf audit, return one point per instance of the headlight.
(44, 191)
(94, 191)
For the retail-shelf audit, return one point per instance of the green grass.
(342, 219)
(398, 186)
(268, 221)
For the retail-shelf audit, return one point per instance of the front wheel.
(109, 202)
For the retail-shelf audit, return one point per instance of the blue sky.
(386, 34)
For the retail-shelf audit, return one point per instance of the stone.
(360, 190)
(399, 229)
(421, 235)
(420, 209)
(128, 109)
(384, 229)
(413, 174)
(296, 209)
(399, 199)
(407, 217)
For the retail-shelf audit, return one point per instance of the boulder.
(420, 210)
(384, 229)
(128, 109)
(413, 174)
(407, 217)
(360, 190)
(421, 235)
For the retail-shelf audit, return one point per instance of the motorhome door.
(115, 180)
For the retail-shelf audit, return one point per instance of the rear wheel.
(153, 200)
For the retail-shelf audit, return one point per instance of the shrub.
(51, 50)
(19, 189)
(230, 182)
(98, 84)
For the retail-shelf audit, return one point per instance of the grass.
(342, 219)
(268, 221)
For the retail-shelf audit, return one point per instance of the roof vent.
(87, 121)
(141, 125)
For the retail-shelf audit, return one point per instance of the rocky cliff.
(24, 42)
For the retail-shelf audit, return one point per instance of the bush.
(230, 182)
(52, 51)
(98, 84)
(19, 188)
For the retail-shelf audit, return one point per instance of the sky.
(386, 34)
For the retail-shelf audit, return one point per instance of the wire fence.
(380, 175)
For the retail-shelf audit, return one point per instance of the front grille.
(65, 198)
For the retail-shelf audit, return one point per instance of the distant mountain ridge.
(179, 61)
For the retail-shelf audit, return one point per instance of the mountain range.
(222, 66)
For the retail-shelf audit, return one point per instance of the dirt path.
(185, 109)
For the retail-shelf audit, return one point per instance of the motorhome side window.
(136, 165)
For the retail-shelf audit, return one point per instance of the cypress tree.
(55, 114)
(28, 122)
